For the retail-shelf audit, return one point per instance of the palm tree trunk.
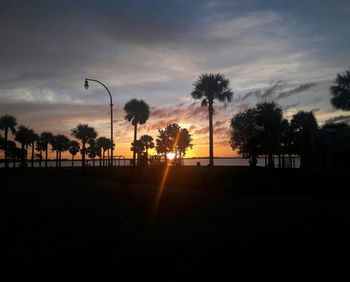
(6, 135)
(211, 143)
(83, 155)
(72, 160)
(46, 153)
(33, 145)
(22, 155)
(40, 157)
(134, 151)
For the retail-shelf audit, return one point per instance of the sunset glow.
(170, 155)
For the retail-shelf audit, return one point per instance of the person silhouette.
(198, 164)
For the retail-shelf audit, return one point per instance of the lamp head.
(86, 85)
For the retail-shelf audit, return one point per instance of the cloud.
(341, 118)
(296, 90)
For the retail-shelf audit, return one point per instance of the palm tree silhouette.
(305, 128)
(7, 122)
(211, 87)
(59, 143)
(148, 142)
(34, 138)
(137, 112)
(93, 150)
(46, 138)
(74, 148)
(269, 116)
(340, 91)
(12, 151)
(83, 132)
(24, 136)
(105, 144)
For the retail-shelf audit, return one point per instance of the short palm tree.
(340, 91)
(34, 139)
(46, 138)
(208, 88)
(24, 136)
(148, 142)
(83, 132)
(105, 144)
(74, 148)
(7, 122)
(269, 117)
(137, 112)
(60, 143)
(304, 126)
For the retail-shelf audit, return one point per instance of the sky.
(283, 51)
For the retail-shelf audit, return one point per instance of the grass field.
(101, 224)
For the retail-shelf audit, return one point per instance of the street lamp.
(86, 85)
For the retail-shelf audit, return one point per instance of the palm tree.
(183, 142)
(269, 117)
(137, 112)
(46, 138)
(7, 122)
(340, 91)
(93, 150)
(208, 88)
(59, 143)
(304, 125)
(74, 148)
(13, 151)
(34, 138)
(84, 133)
(24, 136)
(148, 143)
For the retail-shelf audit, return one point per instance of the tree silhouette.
(138, 147)
(60, 143)
(7, 122)
(269, 116)
(46, 138)
(24, 136)
(340, 91)
(105, 144)
(34, 138)
(148, 143)
(93, 150)
(183, 142)
(74, 148)
(208, 88)
(14, 153)
(83, 132)
(246, 135)
(305, 129)
(137, 112)
(174, 139)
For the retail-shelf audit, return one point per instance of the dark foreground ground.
(230, 223)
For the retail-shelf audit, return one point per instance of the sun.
(170, 155)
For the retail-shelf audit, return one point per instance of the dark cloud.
(203, 130)
(286, 108)
(296, 90)
(341, 118)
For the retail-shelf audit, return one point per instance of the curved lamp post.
(86, 85)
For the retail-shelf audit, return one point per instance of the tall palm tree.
(7, 122)
(74, 148)
(208, 88)
(304, 125)
(83, 132)
(148, 142)
(340, 91)
(34, 138)
(24, 136)
(269, 117)
(93, 150)
(137, 112)
(46, 138)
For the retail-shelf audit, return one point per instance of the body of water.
(186, 162)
